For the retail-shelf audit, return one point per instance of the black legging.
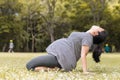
(44, 61)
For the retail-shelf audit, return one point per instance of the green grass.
(12, 67)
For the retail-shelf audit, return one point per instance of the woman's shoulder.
(76, 32)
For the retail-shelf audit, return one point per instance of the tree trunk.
(52, 36)
(4, 47)
(27, 46)
(51, 8)
(33, 42)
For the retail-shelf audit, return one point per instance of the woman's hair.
(101, 37)
(96, 53)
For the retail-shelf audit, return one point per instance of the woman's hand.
(88, 73)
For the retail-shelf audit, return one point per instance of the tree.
(8, 24)
(114, 26)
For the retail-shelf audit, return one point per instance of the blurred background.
(33, 24)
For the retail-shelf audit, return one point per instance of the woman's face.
(96, 30)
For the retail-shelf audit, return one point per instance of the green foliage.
(34, 24)
(4, 29)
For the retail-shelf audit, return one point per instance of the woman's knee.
(32, 64)
(29, 66)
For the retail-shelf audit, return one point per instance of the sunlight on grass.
(12, 67)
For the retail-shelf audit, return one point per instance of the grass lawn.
(12, 67)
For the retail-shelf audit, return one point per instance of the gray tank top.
(68, 50)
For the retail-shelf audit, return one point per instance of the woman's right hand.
(88, 73)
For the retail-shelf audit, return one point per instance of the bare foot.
(37, 69)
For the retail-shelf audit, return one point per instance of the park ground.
(12, 67)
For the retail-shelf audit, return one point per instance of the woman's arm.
(84, 51)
